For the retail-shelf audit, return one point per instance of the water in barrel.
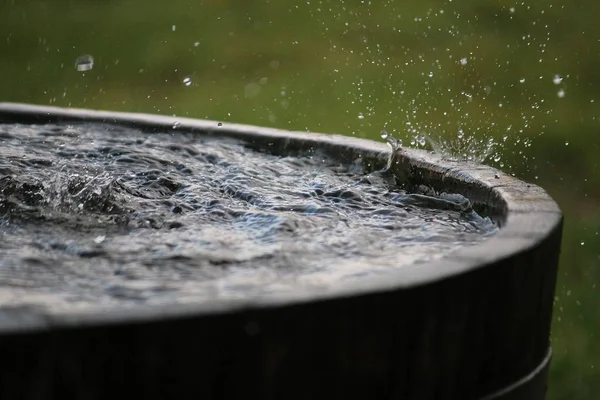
(97, 215)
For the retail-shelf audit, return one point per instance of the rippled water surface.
(96, 214)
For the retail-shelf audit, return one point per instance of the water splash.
(70, 191)
(463, 148)
(395, 144)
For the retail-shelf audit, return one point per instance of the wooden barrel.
(472, 325)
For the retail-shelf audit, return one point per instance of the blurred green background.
(523, 74)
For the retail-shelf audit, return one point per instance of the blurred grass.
(318, 65)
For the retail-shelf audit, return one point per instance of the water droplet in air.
(187, 81)
(263, 80)
(582, 243)
(173, 28)
(460, 133)
(176, 124)
(84, 63)
(522, 80)
(512, 10)
(99, 239)
(497, 176)
(557, 79)
(220, 124)
(384, 134)
(252, 90)
(561, 93)
(431, 74)
(196, 44)
(566, 143)
(361, 116)
(463, 61)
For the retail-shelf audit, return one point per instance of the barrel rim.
(536, 381)
(528, 216)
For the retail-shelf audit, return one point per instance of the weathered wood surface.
(464, 327)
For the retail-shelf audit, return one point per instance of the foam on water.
(99, 214)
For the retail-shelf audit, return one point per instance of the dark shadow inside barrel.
(473, 324)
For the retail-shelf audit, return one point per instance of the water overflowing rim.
(526, 213)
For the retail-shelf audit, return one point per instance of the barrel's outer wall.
(463, 335)
(460, 338)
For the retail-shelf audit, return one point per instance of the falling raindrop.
(252, 90)
(84, 63)
(557, 79)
